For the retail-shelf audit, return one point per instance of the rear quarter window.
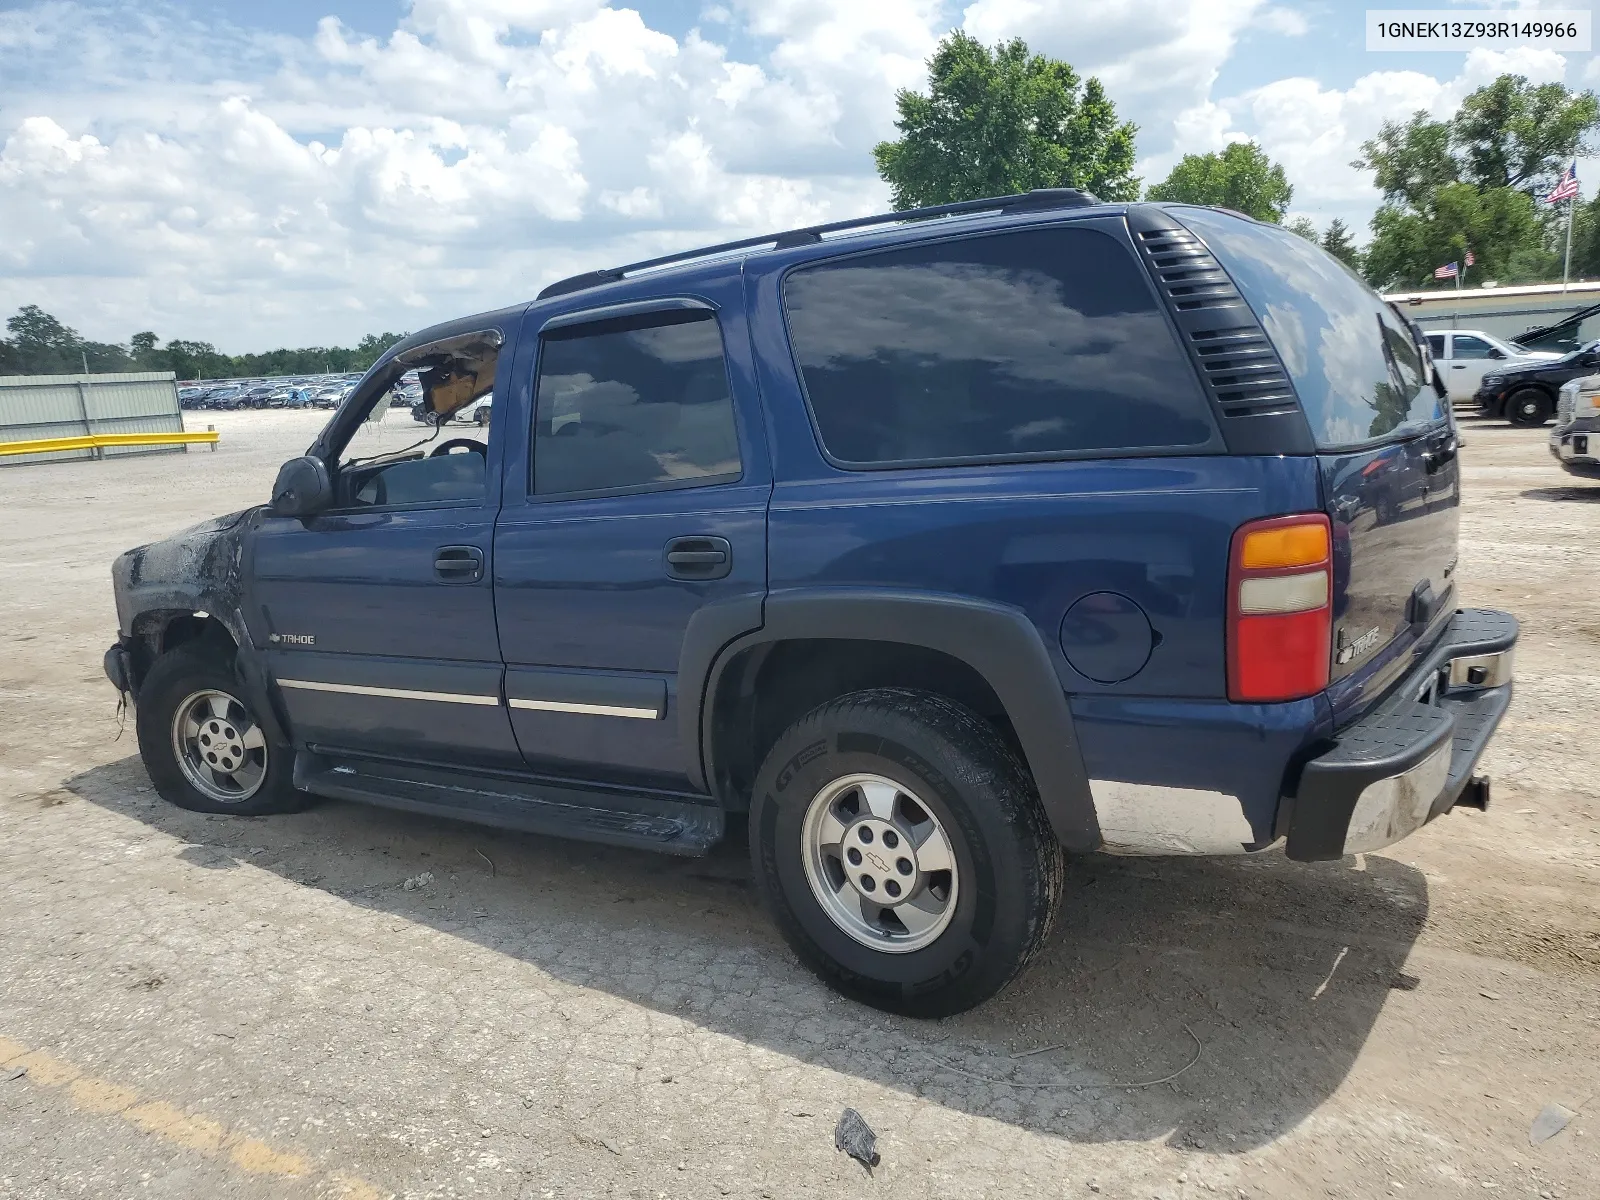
(1358, 373)
(1043, 342)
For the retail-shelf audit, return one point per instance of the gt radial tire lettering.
(949, 975)
(850, 743)
(791, 768)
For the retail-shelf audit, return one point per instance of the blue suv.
(928, 548)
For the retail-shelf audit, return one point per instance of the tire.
(189, 682)
(939, 771)
(1529, 408)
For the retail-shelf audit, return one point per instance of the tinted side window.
(1467, 346)
(1346, 352)
(1043, 341)
(633, 402)
(1436, 345)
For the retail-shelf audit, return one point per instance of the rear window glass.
(1038, 342)
(1359, 375)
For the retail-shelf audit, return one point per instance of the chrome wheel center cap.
(878, 861)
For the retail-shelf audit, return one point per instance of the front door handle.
(699, 558)
(1458, 366)
(458, 564)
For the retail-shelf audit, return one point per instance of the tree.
(1303, 226)
(1338, 242)
(142, 347)
(996, 122)
(370, 347)
(1411, 161)
(1500, 227)
(1471, 182)
(1241, 177)
(42, 345)
(1513, 134)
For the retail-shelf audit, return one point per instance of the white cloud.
(1157, 58)
(1283, 21)
(253, 189)
(1316, 131)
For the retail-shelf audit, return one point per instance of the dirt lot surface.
(234, 1007)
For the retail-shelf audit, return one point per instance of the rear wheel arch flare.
(994, 643)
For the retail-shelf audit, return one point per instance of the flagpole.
(1566, 267)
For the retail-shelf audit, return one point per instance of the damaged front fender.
(198, 571)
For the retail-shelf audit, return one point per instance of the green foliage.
(1500, 226)
(1586, 240)
(1411, 161)
(1471, 183)
(1338, 242)
(1241, 177)
(996, 122)
(1304, 227)
(41, 345)
(1513, 134)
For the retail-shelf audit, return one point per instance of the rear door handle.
(458, 564)
(699, 558)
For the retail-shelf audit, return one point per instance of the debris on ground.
(418, 881)
(17, 1074)
(855, 1137)
(1552, 1119)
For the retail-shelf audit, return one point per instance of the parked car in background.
(1465, 356)
(1525, 394)
(1575, 440)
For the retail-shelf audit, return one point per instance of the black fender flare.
(997, 641)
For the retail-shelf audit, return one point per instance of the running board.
(617, 818)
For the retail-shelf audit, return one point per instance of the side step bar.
(617, 818)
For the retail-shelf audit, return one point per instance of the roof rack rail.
(1035, 201)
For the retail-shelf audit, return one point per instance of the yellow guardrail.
(95, 441)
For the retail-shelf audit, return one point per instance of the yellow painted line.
(171, 1124)
(90, 441)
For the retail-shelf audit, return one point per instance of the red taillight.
(1280, 615)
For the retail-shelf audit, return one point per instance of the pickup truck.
(924, 550)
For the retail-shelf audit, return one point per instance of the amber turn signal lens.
(1286, 546)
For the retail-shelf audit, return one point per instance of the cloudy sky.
(305, 171)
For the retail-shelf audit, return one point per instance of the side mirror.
(1496, 352)
(303, 488)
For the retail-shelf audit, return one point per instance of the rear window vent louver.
(1243, 371)
(1187, 272)
(1238, 362)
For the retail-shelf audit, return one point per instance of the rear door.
(640, 499)
(1386, 449)
(1470, 359)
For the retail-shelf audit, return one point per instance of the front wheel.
(204, 747)
(1529, 408)
(903, 852)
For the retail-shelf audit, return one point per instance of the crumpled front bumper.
(1413, 757)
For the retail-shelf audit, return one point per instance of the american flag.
(1448, 271)
(1470, 260)
(1568, 187)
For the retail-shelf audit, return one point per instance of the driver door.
(377, 616)
(1470, 359)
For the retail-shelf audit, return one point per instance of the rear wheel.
(903, 852)
(202, 744)
(1529, 407)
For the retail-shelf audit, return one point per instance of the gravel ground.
(231, 1007)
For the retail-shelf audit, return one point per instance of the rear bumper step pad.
(1412, 757)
